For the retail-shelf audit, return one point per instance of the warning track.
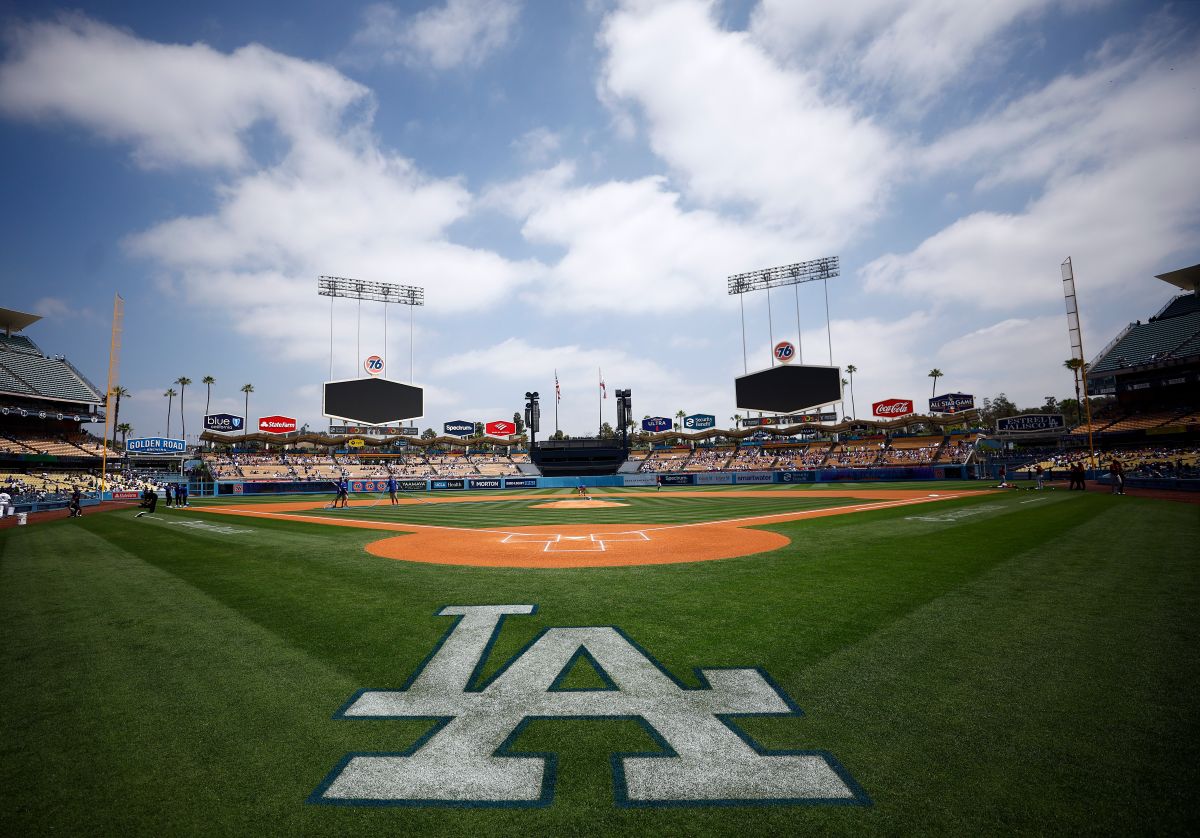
(588, 545)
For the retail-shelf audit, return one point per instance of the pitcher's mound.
(576, 504)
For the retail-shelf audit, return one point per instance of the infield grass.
(1025, 663)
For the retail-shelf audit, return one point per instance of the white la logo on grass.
(465, 761)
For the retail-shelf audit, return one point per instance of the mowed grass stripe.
(658, 509)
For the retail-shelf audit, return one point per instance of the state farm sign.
(500, 428)
(277, 424)
(892, 408)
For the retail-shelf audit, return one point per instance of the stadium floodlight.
(379, 292)
(780, 276)
(783, 275)
(376, 292)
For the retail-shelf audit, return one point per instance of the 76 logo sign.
(373, 365)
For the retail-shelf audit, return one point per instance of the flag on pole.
(557, 389)
(603, 389)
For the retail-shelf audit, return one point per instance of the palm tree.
(679, 415)
(851, 369)
(170, 397)
(118, 392)
(935, 374)
(844, 383)
(125, 430)
(247, 389)
(1075, 365)
(183, 381)
(208, 381)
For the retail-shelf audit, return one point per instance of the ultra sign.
(656, 424)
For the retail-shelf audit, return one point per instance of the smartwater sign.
(656, 424)
(155, 445)
(1029, 422)
(225, 422)
(699, 422)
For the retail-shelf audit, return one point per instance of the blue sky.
(573, 182)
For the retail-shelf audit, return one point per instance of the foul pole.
(1076, 334)
(114, 363)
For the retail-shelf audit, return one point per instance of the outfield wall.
(704, 478)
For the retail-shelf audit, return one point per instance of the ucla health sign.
(699, 421)
(656, 424)
(155, 445)
(223, 422)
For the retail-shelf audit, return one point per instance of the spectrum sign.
(458, 427)
(277, 424)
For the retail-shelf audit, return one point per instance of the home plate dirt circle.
(588, 545)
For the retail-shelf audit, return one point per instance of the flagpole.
(557, 398)
(599, 402)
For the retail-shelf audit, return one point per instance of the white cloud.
(538, 145)
(1021, 357)
(1116, 196)
(912, 49)
(739, 128)
(630, 243)
(458, 33)
(174, 103)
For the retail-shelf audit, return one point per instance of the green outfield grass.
(998, 665)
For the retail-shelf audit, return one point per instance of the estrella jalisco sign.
(155, 445)
(467, 759)
(1028, 422)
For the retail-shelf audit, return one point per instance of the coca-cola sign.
(891, 408)
(277, 424)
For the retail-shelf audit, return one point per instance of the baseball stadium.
(461, 564)
(895, 625)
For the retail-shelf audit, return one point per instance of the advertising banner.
(126, 495)
(458, 427)
(521, 483)
(637, 480)
(951, 403)
(372, 430)
(223, 422)
(794, 476)
(411, 485)
(784, 351)
(500, 427)
(1028, 422)
(486, 483)
(155, 445)
(892, 408)
(656, 424)
(277, 424)
(373, 365)
(754, 477)
(356, 443)
(699, 422)
(794, 419)
(713, 478)
(446, 484)
(677, 479)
